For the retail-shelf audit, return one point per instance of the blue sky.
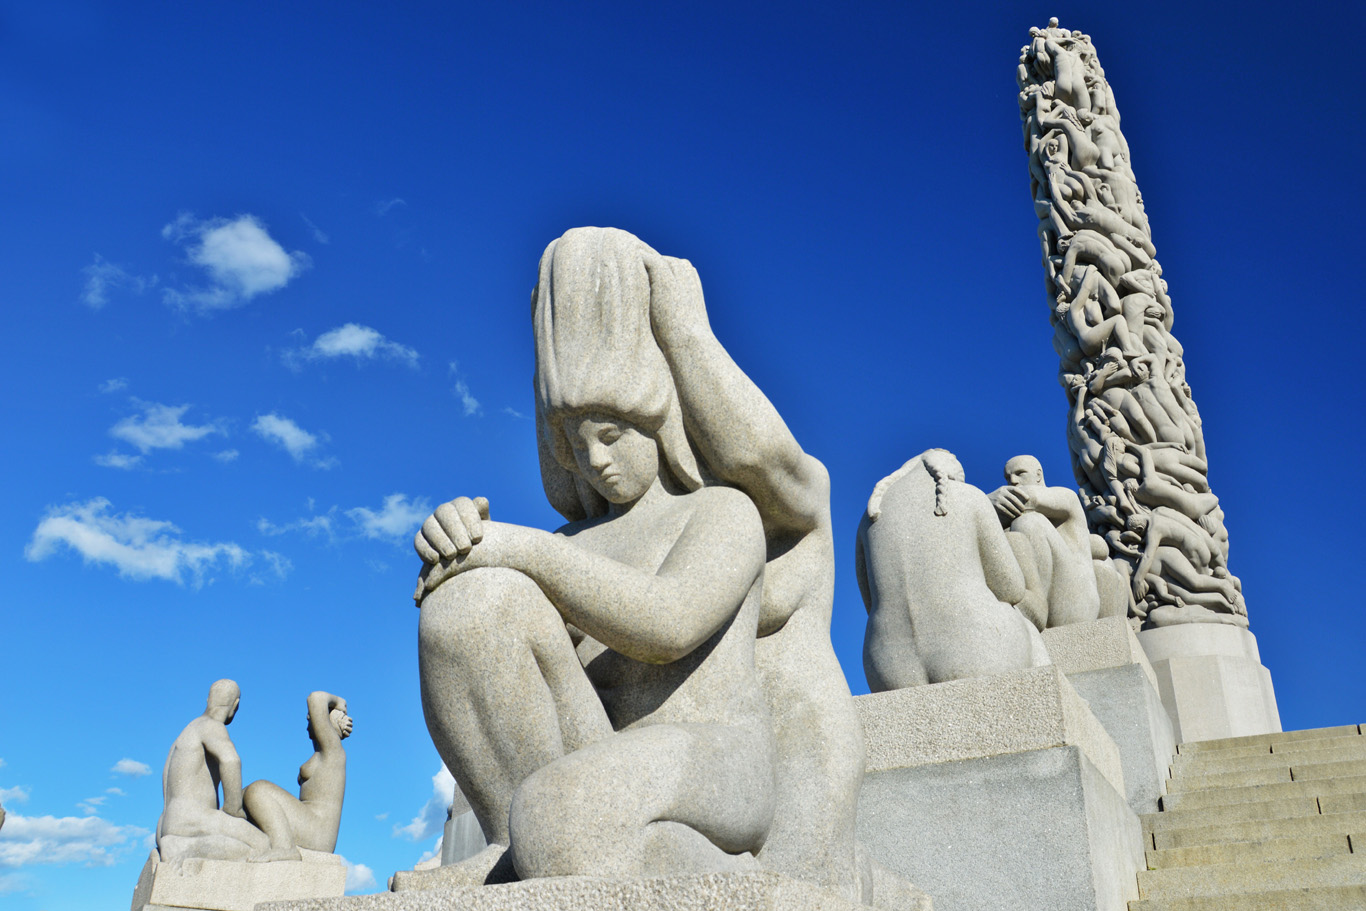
(265, 273)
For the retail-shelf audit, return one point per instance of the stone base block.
(1105, 663)
(1211, 680)
(461, 838)
(229, 885)
(1000, 792)
(707, 892)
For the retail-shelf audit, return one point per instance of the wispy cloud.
(14, 795)
(121, 460)
(138, 547)
(227, 455)
(385, 206)
(513, 412)
(431, 819)
(117, 384)
(131, 767)
(309, 525)
(399, 517)
(89, 840)
(317, 232)
(240, 258)
(159, 427)
(461, 390)
(91, 805)
(299, 443)
(102, 277)
(354, 341)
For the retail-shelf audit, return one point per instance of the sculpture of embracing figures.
(651, 689)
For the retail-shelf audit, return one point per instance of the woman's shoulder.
(721, 498)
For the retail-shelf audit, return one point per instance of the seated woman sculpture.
(940, 581)
(594, 690)
(312, 819)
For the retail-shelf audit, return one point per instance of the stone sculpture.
(193, 823)
(1046, 528)
(940, 581)
(650, 689)
(1138, 451)
(312, 819)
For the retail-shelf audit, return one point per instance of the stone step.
(1293, 849)
(1314, 771)
(1218, 797)
(1222, 760)
(1230, 879)
(1323, 898)
(1342, 803)
(1270, 740)
(1232, 813)
(1234, 778)
(1257, 830)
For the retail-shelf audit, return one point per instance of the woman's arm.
(320, 706)
(741, 435)
(656, 618)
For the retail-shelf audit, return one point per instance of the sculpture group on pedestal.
(651, 689)
(262, 822)
(1137, 446)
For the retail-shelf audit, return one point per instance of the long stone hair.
(596, 351)
(939, 465)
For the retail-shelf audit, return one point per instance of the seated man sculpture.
(650, 689)
(1048, 533)
(193, 823)
(939, 580)
(312, 819)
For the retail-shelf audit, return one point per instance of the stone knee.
(467, 614)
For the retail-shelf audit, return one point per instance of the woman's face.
(613, 456)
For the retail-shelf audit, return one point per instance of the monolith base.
(1212, 681)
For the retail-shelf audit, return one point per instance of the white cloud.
(117, 384)
(289, 435)
(227, 455)
(467, 401)
(13, 882)
(14, 795)
(351, 340)
(115, 459)
(279, 563)
(132, 768)
(398, 517)
(385, 206)
(317, 232)
(359, 877)
(433, 852)
(311, 526)
(117, 792)
(69, 839)
(91, 805)
(513, 412)
(102, 276)
(241, 258)
(138, 547)
(431, 819)
(159, 427)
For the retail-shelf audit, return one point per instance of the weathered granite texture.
(999, 793)
(1108, 668)
(224, 885)
(1211, 681)
(706, 892)
(201, 758)
(599, 693)
(1138, 450)
(311, 820)
(940, 581)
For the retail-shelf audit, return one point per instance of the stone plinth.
(1106, 665)
(707, 892)
(999, 792)
(1211, 680)
(461, 838)
(229, 885)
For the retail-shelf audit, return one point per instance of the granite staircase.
(1270, 821)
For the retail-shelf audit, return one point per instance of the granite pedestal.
(999, 792)
(1212, 681)
(231, 885)
(707, 892)
(1108, 668)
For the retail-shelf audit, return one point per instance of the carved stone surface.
(1138, 450)
(598, 693)
(225, 885)
(940, 581)
(192, 823)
